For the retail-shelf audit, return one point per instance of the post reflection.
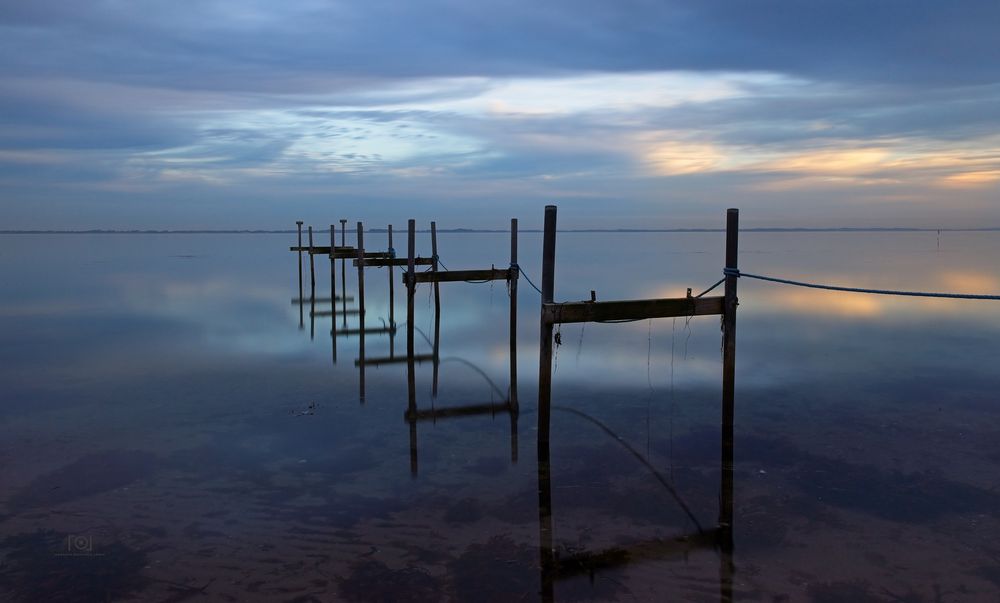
(554, 567)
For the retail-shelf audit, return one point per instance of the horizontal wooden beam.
(636, 309)
(322, 249)
(433, 414)
(396, 262)
(366, 331)
(587, 563)
(347, 255)
(348, 311)
(321, 300)
(418, 358)
(450, 276)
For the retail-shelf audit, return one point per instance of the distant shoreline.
(495, 231)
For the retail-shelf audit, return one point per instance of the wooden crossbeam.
(367, 331)
(348, 311)
(637, 309)
(322, 249)
(587, 563)
(321, 300)
(450, 276)
(376, 263)
(419, 358)
(353, 254)
(432, 414)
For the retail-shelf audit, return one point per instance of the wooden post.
(514, 274)
(729, 376)
(343, 270)
(437, 308)
(411, 377)
(513, 433)
(298, 223)
(333, 293)
(361, 306)
(545, 345)
(392, 284)
(392, 299)
(546, 552)
(312, 264)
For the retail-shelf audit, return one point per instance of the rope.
(737, 273)
(719, 282)
(526, 277)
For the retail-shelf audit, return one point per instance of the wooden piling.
(312, 264)
(298, 224)
(514, 274)
(437, 309)
(411, 377)
(333, 294)
(343, 268)
(545, 344)
(729, 373)
(392, 284)
(361, 306)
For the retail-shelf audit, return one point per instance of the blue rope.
(737, 273)
(526, 277)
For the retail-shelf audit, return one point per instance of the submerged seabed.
(170, 433)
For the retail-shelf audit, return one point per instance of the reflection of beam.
(334, 312)
(377, 263)
(365, 331)
(638, 309)
(585, 563)
(393, 359)
(449, 276)
(457, 411)
(321, 300)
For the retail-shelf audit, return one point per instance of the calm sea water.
(170, 430)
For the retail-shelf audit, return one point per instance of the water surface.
(171, 431)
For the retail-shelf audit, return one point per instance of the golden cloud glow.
(971, 179)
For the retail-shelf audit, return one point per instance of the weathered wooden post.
(545, 345)
(343, 270)
(437, 308)
(547, 554)
(392, 298)
(361, 306)
(514, 274)
(411, 376)
(333, 293)
(729, 375)
(298, 223)
(312, 264)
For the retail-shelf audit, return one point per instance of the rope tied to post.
(737, 273)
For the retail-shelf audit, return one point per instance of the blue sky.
(250, 114)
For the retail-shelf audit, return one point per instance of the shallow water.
(170, 431)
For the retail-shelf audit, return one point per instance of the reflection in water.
(157, 413)
(553, 567)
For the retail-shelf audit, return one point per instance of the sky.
(625, 113)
